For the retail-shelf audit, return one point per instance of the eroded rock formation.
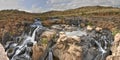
(3, 54)
(38, 51)
(115, 48)
(66, 48)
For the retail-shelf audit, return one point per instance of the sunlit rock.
(62, 37)
(115, 48)
(66, 49)
(57, 27)
(82, 25)
(117, 38)
(64, 27)
(98, 28)
(89, 28)
(70, 28)
(37, 51)
(76, 38)
(49, 34)
(40, 50)
(3, 54)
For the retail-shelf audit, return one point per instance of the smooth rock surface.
(3, 55)
(115, 48)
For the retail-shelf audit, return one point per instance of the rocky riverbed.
(61, 42)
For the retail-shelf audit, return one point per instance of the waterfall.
(50, 55)
(24, 44)
(100, 47)
(95, 44)
(23, 47)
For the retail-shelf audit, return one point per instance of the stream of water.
(22, 47)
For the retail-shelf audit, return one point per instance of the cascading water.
(21, 48)
(95, 44)
(76, 33)
(24, 44)
(50, 54)
(100, 47)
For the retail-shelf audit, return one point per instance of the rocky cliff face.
(66, 48)
(115, 48)
(3, 54)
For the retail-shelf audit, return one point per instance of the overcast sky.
(47, 5)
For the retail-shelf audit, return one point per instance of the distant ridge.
(82, 11)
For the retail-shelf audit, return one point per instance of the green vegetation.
(44, 40)
(115, 31)
(90, 24)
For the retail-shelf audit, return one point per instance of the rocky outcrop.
(66, 49)
(89, 28)
(64, 27)
(3, 54)
(38, 51)
(49, 34)
(98, 28)
(115, 48)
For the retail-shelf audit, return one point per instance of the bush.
(89, 24)
(44, 40)
(114, 32)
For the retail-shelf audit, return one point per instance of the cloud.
(40, 6)
(36, 9)
(70, 4)
(10, 4)
(57, 1)
(17, 4)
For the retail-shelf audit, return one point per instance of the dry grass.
(13, 20)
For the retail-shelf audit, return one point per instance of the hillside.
(85, 11)
(14, 21)
(82, 11)
(106, 17)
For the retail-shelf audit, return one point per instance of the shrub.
(115, 31)
(44, 40)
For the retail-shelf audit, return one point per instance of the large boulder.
(38, 51)
(3, 54)
(115, 48)
(65, 49)
(89, 28)
(117, 37)
(49, 34)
